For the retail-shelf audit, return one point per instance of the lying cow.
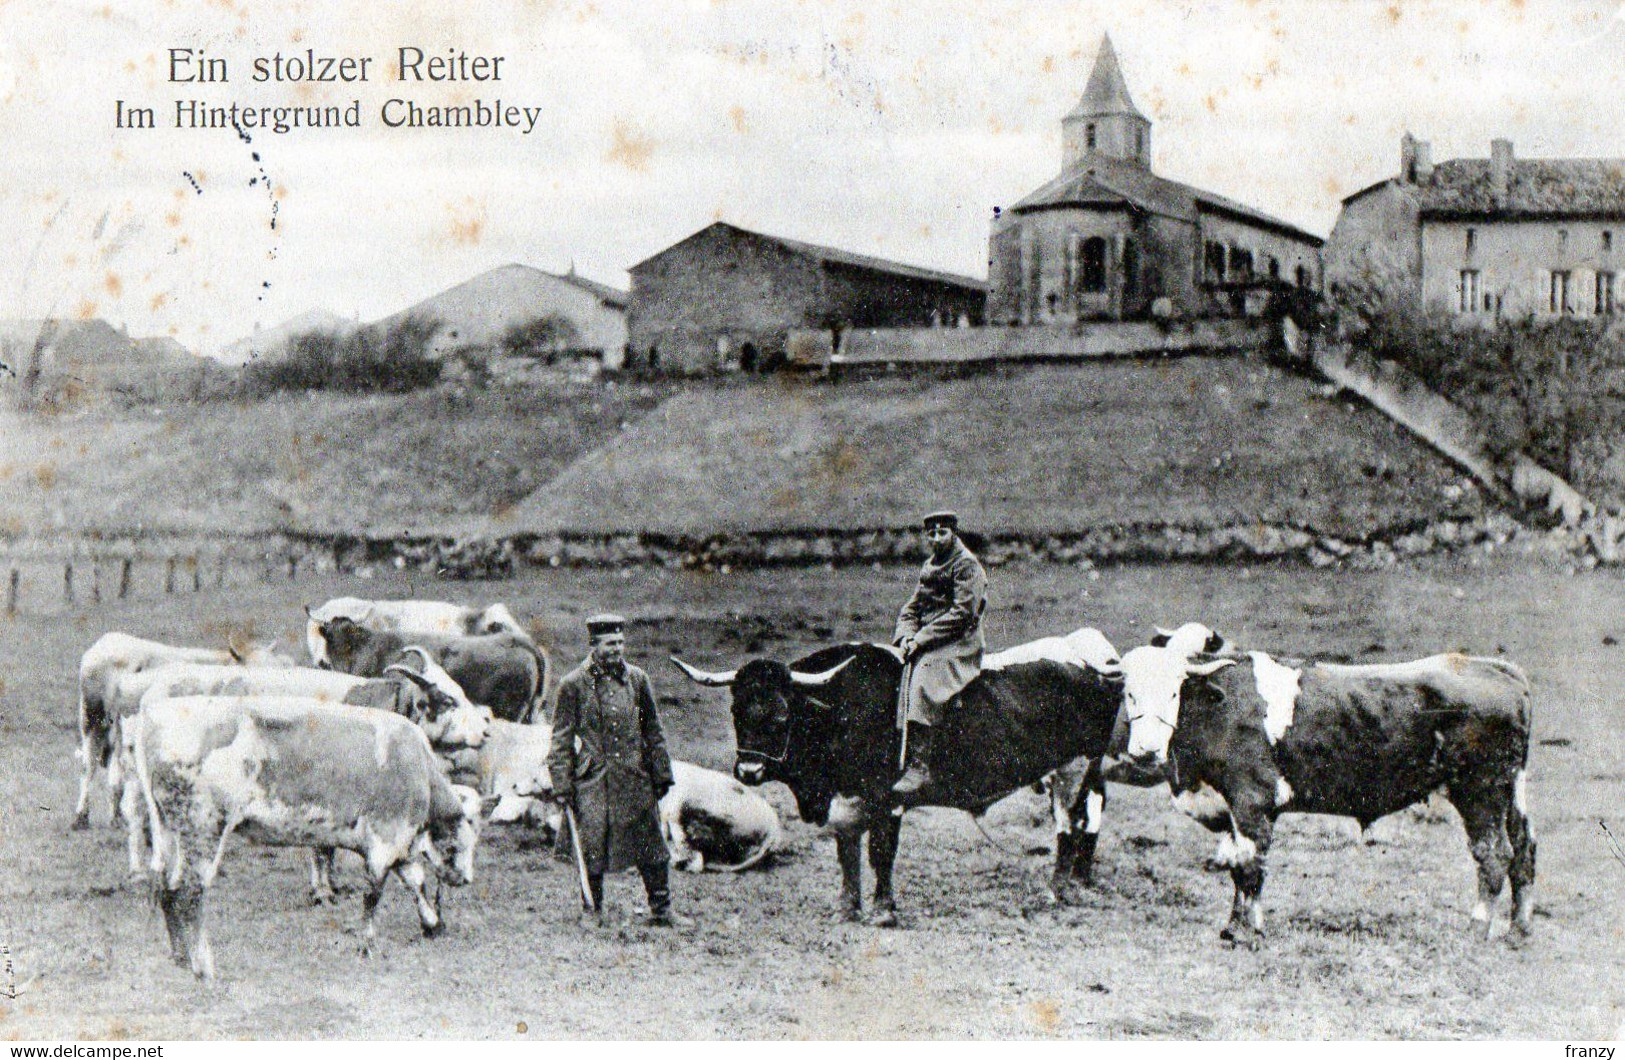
(1246, 738)
(432, 617)
(429, 698)
(709, 820)
(503, 671)
(112, 656)
(291, 771)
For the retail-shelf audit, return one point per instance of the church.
(1108, 239)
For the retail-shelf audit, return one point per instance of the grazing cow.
(291, 771)
(429, 698)
(116, 654)
(709, 819)
(503, 671)
(1246, 738)
(404, 616)
(826, 725)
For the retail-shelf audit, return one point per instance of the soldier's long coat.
(609, 752)
(944, 616)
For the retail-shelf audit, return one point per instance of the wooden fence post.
(67, 580)
(293, 566)
(95, 579)
(197, 572)
(220, 572)
(124, 576)
(12, 588)
(169, 574)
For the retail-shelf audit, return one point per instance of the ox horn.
(1110, 668)
(712, 680)
(408, 673)
(1205, 669)
(818, 680)
(421, 652)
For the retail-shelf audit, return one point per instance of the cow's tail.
(544, 670)
(770, 843)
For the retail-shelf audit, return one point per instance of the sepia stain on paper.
(630, 147)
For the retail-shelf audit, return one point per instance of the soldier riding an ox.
(826, 726)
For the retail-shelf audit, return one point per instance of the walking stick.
(582, 881)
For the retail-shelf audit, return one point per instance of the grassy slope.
(1192, 442)
(327, 462)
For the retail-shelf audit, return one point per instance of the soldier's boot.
(657, 883)
(595, 919)
(917, 778)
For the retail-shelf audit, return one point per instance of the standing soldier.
(609, 762)
(940, 632)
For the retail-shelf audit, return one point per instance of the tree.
(546, 336)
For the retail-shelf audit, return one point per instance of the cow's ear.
(1162, 637)
(1214, 645)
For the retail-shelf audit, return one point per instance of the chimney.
(1424, 162)
(1501, 170)
(1407, 159)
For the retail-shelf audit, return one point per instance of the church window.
(1074, 255)
(1472, 239)
(1139, 142)
(1089, 135)
(1562, 240)
(1469, 293)
(1131, 268)
(1605, 293)
(1607, 242)
(1092, 273)
(1559, 300)
(1213, 262)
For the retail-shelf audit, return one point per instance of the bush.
(1551, 387)
(395, 361)
(545, 336)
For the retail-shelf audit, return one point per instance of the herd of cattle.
(417, 716)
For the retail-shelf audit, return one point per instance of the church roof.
(1107, 92)
(1116, 183)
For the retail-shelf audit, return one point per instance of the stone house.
(726, 299)
(1108, 239)
(1484, 238)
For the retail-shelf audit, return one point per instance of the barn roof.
(1536, 188)
(832, 256)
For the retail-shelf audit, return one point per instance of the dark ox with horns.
(825, 725)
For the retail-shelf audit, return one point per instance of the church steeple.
(1106, 121)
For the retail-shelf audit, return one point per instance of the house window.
(1469, 293)
(1472, 240)
(1139, 142)
(1302, 275)
(1213, 263)
(1607, 242)
(1559, 301)
(1241, 264)
(1275, 268)
(1089, 135)
(1605, 293)
(1562, 240)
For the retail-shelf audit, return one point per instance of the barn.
(726, 298)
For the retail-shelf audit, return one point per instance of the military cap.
(944, 518)
(598, 625)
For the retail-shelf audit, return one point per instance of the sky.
(890, 129)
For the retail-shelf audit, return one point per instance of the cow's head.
(452, 839)
(246, 652)
(449, 718)
(341, 638)
(1154, 677)
(768, 700)
(318, 619)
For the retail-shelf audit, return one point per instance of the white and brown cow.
(291, 771)
(101, 667)
(429, 698)
(1247, 737)
(407, 617)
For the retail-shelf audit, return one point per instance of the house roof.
(1538, 187)
(1106, 92)
(833, 256)
(613, 296)
(1116, 183)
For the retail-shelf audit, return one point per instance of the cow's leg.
(182, 902)
(369, 909)
(1086, 824)
(412, 875)
(1065, 789)
(93, 753)
(1483, 810)
(1522, 869)
(1244, 851)
(882, 856)
(849, 850)
(321, 876)
(133, 808)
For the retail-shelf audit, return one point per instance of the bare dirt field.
(1366, 939)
